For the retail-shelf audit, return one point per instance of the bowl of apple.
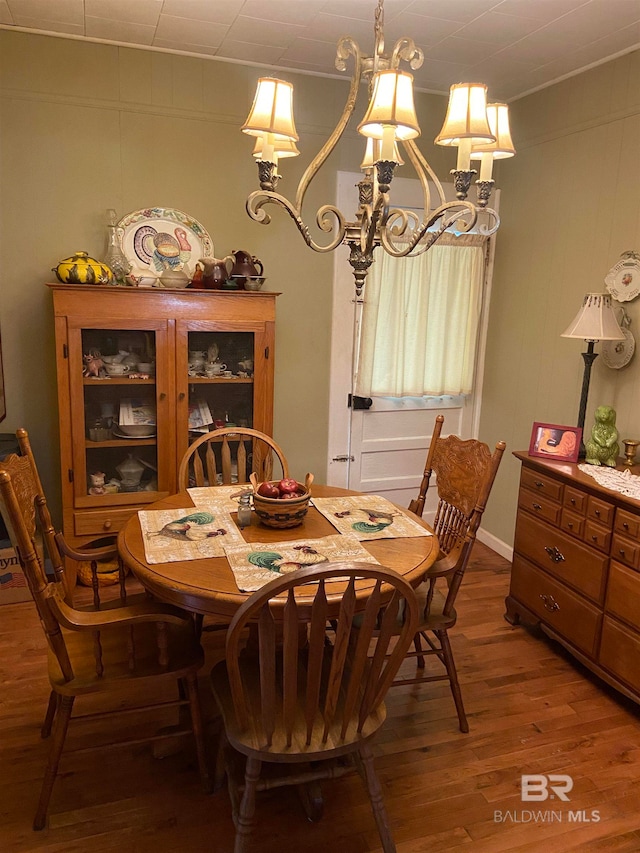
(281, 503)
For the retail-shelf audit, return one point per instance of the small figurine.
(97, 483)
(93, 364)
(603, 448)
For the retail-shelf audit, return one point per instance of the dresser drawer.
(627, 524)
(600, 511)
(567, 613)
(620, 652)
(541, 484)
(575, 500)
(623, 594)
(563, 556)
(572, 523)
(539, 505)
(101, 522)
(626, 550)
(598, 536)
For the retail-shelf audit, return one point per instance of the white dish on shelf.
(137, 431)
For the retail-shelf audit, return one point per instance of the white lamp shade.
(466, 116)
(272, 110)
(373, 154)
(391, 105)
(282, 147)
(595, 321)
(498, 115)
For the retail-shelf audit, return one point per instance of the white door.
(383, 448)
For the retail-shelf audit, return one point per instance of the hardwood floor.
(531, 710)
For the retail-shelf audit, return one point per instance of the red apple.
(288, 486)
(289, 496)
(268, 490)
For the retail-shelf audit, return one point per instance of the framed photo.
(552, 441)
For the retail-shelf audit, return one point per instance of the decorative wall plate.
(159, 238)
(618, 354)
(623, 279)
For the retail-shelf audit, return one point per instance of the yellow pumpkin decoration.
(81, 269)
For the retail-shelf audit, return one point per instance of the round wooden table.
(208, 586)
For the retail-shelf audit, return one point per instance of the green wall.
(85, 127)
(570, 205)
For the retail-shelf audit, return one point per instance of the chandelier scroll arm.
(405, 48)
(450, 212)
(258, 199)
(346, 47)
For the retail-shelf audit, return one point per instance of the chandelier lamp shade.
(595, 321)
(389, 125)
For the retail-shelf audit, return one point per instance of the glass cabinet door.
(117, 443)
(225, 374)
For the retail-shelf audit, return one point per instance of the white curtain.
(420, 322)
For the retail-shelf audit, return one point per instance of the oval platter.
(159, 238)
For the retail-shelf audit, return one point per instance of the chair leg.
(364, 760)
(198, 732)
(59, 735)
(49, 717)
(417, 644)
(449, 662)
(246, 812)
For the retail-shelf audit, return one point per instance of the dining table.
(208, 587)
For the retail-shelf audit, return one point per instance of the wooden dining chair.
(216, 457)
(307, 700)
(104, 652)
(465, 472)
(36, 513)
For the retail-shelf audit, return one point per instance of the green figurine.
(602, 447)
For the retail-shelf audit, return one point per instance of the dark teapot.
(216, 271)
(245, 265)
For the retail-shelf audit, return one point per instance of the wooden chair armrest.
(107, 552)
(95, 620)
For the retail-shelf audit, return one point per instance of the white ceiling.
(515, 46)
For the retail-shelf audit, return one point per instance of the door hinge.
(343, 458)
(355, 402)
(65, 351)
(70, 473)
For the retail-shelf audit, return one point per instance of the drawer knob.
(539, 484)
(107, 525)
(549, 602)
(573, 501)
(596, 512)
(625, 525)
(594, 538)
(537, 506)
(622, 554)
(555, 555)
(570, 525)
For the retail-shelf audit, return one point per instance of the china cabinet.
(576, 568)
(136, 385)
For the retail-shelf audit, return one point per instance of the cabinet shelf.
(205, 380)
(120, 442)
(111, 380)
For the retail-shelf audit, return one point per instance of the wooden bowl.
(282, 512)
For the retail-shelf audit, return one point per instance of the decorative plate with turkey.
(161, 238)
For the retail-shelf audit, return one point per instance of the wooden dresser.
(576, 568)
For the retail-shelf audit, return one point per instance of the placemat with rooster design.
(191, 533)
(256, 564)
(369, 517)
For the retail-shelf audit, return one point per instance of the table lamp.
(595, 321)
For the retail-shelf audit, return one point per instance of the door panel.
(383, 449)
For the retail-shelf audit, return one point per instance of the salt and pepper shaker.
(244, 510)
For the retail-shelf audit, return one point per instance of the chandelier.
(480, 131)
